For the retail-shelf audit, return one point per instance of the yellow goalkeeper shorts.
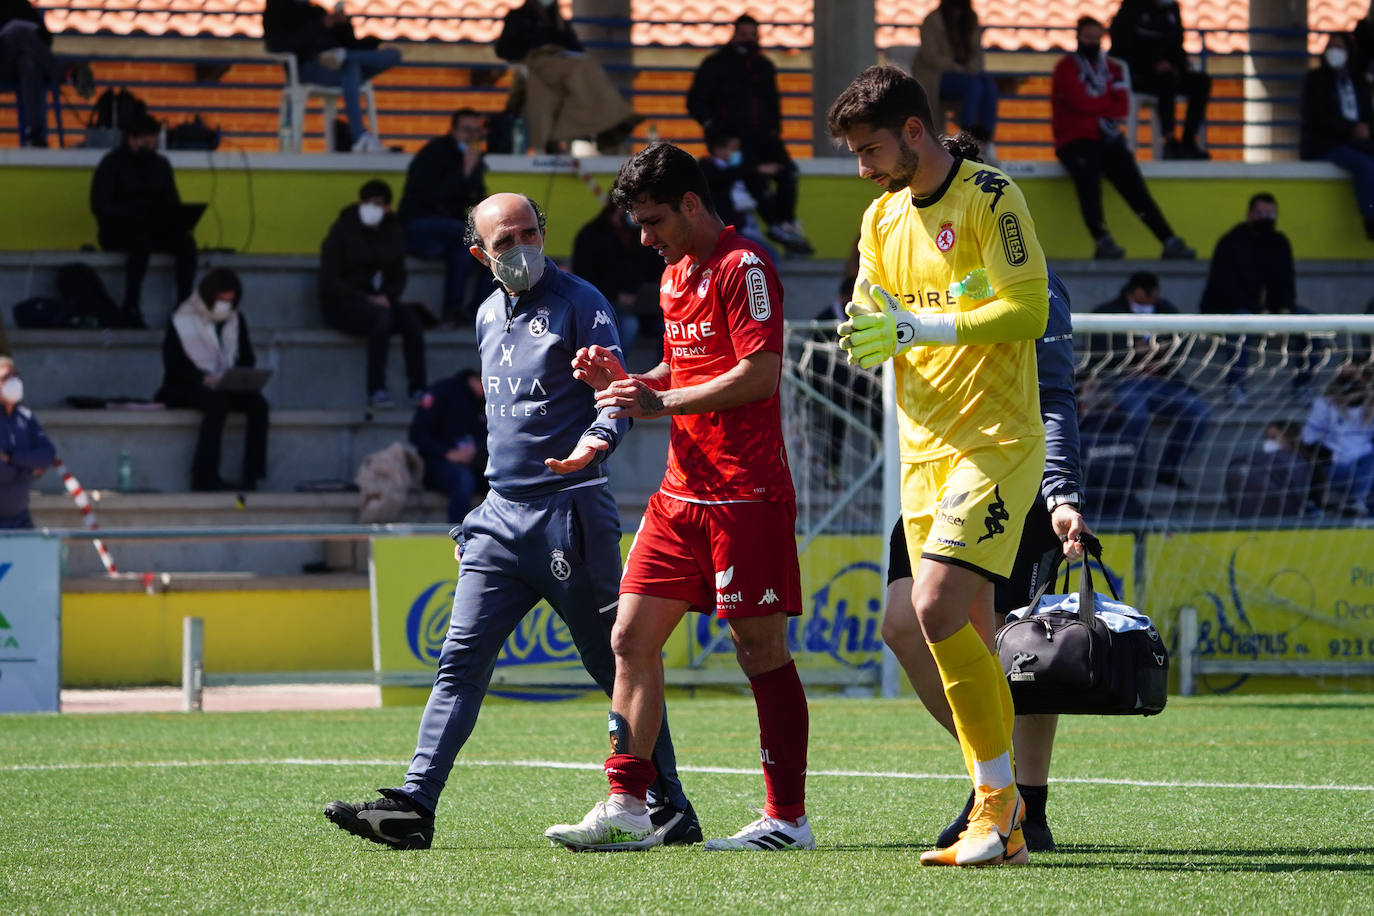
(969, 509)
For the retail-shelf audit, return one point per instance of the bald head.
(503, 221)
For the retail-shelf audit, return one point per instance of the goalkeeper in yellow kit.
(972, 441)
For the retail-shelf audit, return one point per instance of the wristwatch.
(1070, 498)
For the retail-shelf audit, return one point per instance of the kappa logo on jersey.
(1013, 242)
(944, 239)
(600, 319)
(724, 576)
(997, 514)
(757, 285)
(507, 355)
(989, 182)
(769, 597)
(560, 567)
(749, 259)
(539, 324)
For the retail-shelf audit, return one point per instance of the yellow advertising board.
(1294, 595)
(837, 638)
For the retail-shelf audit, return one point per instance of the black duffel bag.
(1082, 652)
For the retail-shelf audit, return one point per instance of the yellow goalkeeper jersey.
(984, 390)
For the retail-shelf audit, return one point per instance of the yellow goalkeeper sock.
(971, 678)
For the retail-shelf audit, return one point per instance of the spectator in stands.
(206, 336)
(329, 54)
(449, 430)
(1336, 118)
(1252, 266)
(25, 451)
(1338, 431)
(736, 90)
(608, 255)
(1362, 47)
(1111, 444)
(729, 179)
(362, 276)
(1147, 388)
(1148, 36)
(138, 211)
(446, 178)
(27, 61)
(567, 94)
(1089, 98)
(1274, 480)
(949, 65)
(1252, 273)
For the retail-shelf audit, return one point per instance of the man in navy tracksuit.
(549, 528)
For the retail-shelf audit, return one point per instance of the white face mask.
(370, 215)
(12, 391)
(222, 310)
(519, 268)
(1337, 58)
(1271, 446)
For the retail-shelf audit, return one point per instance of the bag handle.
(1087, 604)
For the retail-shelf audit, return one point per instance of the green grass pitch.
(1246, 804)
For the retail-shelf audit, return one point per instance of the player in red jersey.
(720, 533)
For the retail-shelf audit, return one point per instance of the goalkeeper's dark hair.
(881, 98)
(662, 174)
(962, 145)
(471, 237)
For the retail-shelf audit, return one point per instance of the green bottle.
(973, 286)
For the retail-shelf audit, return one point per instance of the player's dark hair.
(471, 236)
(216, 283)
(962, 145)
(662, 174)
(1142, 280)
(1263, 197)
(745, 19)
(1086, 20)
(375, 187)
(880, 97)
(461, 113)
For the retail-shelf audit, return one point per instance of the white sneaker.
(367, 143)
(606, 829)
(770, 835)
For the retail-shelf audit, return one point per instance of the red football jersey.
(716, 313)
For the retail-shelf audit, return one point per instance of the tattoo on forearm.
(649, 401)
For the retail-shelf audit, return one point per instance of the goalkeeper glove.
(879, 328)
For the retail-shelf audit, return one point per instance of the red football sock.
(784, 727)
(630, 775)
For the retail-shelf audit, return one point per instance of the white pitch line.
(719, 771)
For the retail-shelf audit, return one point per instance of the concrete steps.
(218, 510)
(313, 368)
(302, 445)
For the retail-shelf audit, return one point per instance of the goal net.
(1228, 465)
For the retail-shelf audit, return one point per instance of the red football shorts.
(738, 559)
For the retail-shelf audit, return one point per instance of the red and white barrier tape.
(83, 502)
(588, 179)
